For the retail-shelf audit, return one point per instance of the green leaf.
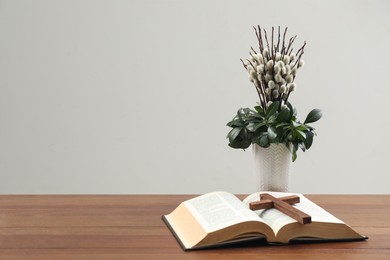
(313, 116)
(295, 124)
(235, 122)
(260, 110)
(284, 115)
(262, 140)
(271, 110)
(309, 128)
(254, 117)
(240, 114)
(241, 144)
(234, 133)
(271, 119)
(282, 125)
(301, 135)
(245, 111)
(302, 146)
(249, 127)
(291, 110)
(302, 128)
(254, 126)
(294, 154)
(272, 134)
(309, 139)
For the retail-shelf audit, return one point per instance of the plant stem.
(272, 44)
(277, 45)
(259, 40)
(283, 42)
(266, 39)
(300, 53)
(253, 50)
(292, 39)
(288, 95)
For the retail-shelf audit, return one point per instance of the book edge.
(219, 245)
(291, 241)
(165, 220)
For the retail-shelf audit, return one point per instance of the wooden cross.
(282, 204)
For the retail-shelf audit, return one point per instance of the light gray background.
(133, 96)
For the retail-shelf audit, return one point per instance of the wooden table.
(130, 227)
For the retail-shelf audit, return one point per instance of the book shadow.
(262, 242)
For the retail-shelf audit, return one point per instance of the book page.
(218, 210)
(276, 219)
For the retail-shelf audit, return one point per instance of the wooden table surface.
(130, 227)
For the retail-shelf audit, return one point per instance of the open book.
(218, 218)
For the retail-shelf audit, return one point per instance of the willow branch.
(272, 44)
(283, 42)
(259, 40)
(301, 49)
(292, 39)
(266, 39)
(277, 45)
(253, 50)
(300, 53)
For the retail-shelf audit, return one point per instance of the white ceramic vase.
(272, 167)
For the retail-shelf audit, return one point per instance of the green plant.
(274, 120)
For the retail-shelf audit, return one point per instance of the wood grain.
(266, 204)
(130, 227)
